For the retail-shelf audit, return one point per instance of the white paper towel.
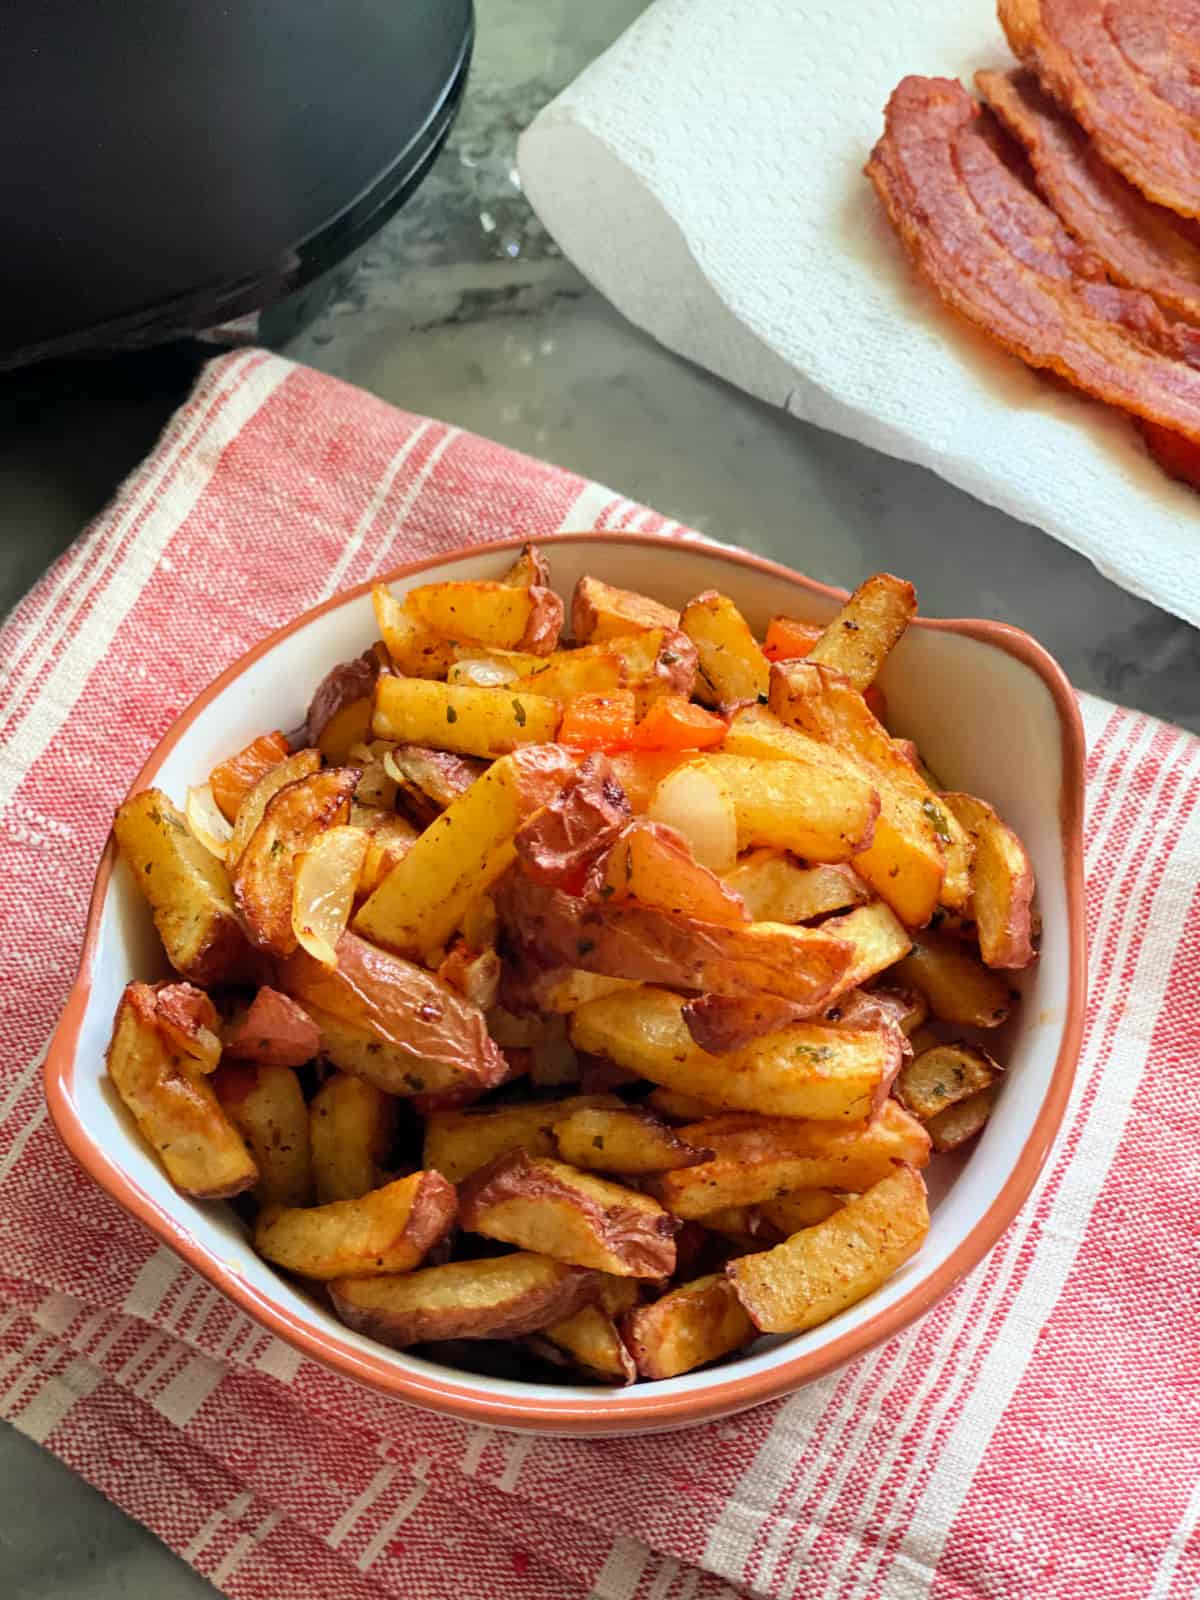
(706, 175)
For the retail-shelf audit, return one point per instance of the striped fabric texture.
(1037, 1435)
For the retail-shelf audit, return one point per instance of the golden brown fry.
(942, 1076)
(174, 1106)
(775, 887)
(628, 1142)
(415, 649)
(803, 1208)
(504, 1297)
(654, 864)
(300, 764)
(879, 940)
(530, 568)
(591, 1340)
(266, 1105)
(350, 1128)
(821, 809)
(547, 1206)
(689, 1326)
(958, 1123)
(461, 718)
(805, 1070)
(264, 877)
(388, 1230)
(825, 1269)
(458, 1143)
(732, 665)
(1003, 884)
(857, 642)
(957, 985)
(509, 617)
(599, 611)
(679, 1106)
(758, 1159)
(187, 887)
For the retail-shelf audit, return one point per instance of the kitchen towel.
(706, 175)
(1038, 1434)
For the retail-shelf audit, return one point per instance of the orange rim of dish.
(638, 1407)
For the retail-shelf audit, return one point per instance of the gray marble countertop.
(463, 308)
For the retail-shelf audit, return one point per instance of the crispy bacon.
(1127, 72)
(1141, 244)
(1000, 257)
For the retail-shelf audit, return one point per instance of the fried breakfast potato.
(827, 1268)
(565, 989)
(775, 887)
(300, 764)
(961, 1121)
(350, 1124)
(942, 1076)
(1002, 884)
(757, 1160)
(678, 1106)
(272, 1031)
(529, 569)
(732, 665)
(463, 853)
(653, 863)
(878, 939)
(599, 611)
(957, 985)
(804, 1070)
(339, 713)
(856, 643)
(266, 1104)
(173, 1104)
(461, 718)
(804, 1208)
(459, 1142)
(386, 1231)
(265, 876)
(819, 809)
(544, 1205)
(687, 1327)
(501, 1297)
(415, 649)
(509, 616)
(592, 1343)
(628, 1142)
(188, 1019)
(187, 887)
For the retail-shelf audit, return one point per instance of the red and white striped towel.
(1037, 1435)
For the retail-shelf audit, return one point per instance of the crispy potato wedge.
(188, 1020)
(457, 717)
(696, 802)
(416, 650)
(300, 764)
(458, 1143)
(721, 1023)
(678, 1106)
(399, 1004)
(775, 887)
(565, 989)
(560, 841)
(805, 1070)
(272, 1031)
(350, 1128)
(530, 568)
(857, 642)
(427, 781)
(653, 863)
(875, 1007)
(830, 1267)
(357, 1049)
(174, 1106)
(547, 1206)
(762, 1159)
(501, 1297)
(803, 1208)
(879, 939)
(942, 1076)
(687, 1327)
(266, 1105)
(920, 855)
(187, 887)
(957, 985)
(386, 1231)
(625, 939)
(599, 611)
(732, 665)
(630, 1143)
(509, 616)
(339, 713)
(463, 853)
(570, 673)
(591, 1342)
(961, 1121)
(1002, 884)
(265, 876)
(822, 811)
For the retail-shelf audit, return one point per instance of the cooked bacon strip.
(1000, 257)
(1126, 70)
(1141, 244)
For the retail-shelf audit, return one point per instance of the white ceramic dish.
(992, 714)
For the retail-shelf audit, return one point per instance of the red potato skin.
(183, 1006)
(596, 887)
(436, 777)
(645, 1241)
(545, 622)
(558, 843)
(720, 1023)
(677, 664)
(402, 1003)
(865, 1008)
(342, 686)
(275, 1032)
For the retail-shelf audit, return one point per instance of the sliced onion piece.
(483, 673)
(206, 821)
(695, 800)
(323, 891)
